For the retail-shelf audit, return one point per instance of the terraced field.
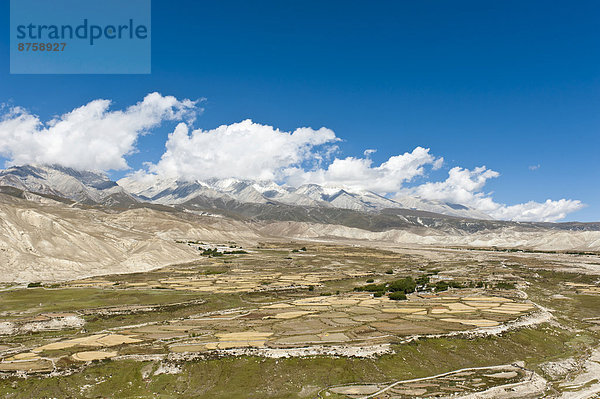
(308, 320)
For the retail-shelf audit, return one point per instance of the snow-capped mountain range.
(173, 191)
(97, 188)
(80, 186)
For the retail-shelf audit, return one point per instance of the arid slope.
(44, 240)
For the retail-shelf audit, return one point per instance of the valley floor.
(311, 319)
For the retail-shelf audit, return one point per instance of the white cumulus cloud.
(244, 150)
(464, 186)
(89, 137)
(361, 174)
(94, 137)
(251, 150)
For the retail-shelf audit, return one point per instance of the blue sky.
(507, 85)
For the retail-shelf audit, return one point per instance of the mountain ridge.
(251, 191)
(86, 187)
(90, 187)
(255, 200)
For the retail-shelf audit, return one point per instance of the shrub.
(405, 285)
(34, 285)
(211, 252)
(441, 286)
(311, 287)
(378, 294)
(371, 288)
(370, 280)
(422, 280)
(397, 296)
(374, 287)
(390, 271)
(303, 249)
(455, 284)
(503, 285)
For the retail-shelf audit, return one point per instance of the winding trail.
(392, 385)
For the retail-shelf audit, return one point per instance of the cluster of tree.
(397, 289)
(445, 284)
(406, 285)
(215, 252)
(211, 252)
(531, 251)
